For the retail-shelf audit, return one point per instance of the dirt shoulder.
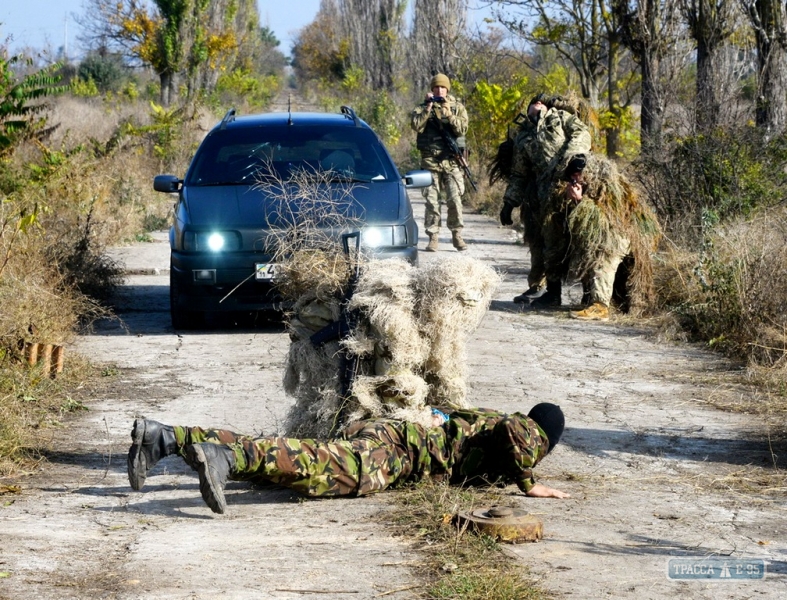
(655, 471)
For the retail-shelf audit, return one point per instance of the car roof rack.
(349, 112)
(228, 118)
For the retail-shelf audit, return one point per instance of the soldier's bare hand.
(574, 190)
(541, 491)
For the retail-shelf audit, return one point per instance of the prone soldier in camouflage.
(441, 111)
(470, 447)
(550, 144)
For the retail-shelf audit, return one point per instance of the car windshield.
(243, 156)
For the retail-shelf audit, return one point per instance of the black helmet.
(550, 418)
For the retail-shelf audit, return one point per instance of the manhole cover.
(503, 523)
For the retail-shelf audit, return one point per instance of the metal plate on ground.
(505, 524)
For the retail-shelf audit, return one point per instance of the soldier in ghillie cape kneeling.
(466, 447)
(598, 231)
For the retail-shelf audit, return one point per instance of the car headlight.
(211, 241)
(380, 237)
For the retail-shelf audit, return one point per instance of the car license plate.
(265, 271)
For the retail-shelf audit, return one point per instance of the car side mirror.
(167, 183)
(418, 179)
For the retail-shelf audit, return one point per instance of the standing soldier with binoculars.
(441, 116)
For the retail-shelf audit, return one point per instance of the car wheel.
(181, 318)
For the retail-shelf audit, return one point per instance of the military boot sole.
(212, 490)
(137, 460)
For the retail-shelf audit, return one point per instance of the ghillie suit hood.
(409, 337)
(609, 211)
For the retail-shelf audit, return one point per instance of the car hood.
(239, 206)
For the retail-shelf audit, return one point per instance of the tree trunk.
(612, 132)
(772, 104)
(652, 111)
(711, 23)
(707, 105)
(165, 82)
(373, 29)
(438, 26)
(768, 19)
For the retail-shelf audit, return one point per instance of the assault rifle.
(458, 155)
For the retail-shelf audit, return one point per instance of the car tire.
(181, 318)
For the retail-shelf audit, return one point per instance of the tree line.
(693, 64)
(620, 54)
(189, 44)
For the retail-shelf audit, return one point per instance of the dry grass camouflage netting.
(408, 332)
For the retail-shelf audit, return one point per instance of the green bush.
(719, 176)
(245, 90)
(21, 106)
(84, 88)
(382, 115)
(105, 70)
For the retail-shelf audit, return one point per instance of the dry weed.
(733, 293)
(458, 563)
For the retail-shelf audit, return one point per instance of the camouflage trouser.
(447, 177)
(371, 457)
(600, 281)
(530, 213)
(523, 193)
(557, 245)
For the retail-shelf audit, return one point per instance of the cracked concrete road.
(656, 472)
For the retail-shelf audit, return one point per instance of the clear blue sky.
(42, 23)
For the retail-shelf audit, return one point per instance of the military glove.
(505, 214)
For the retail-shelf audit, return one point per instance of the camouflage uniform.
(447, 175)
(541, 153)
(472, 447)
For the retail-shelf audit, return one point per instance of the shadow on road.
(144, 310)
(678, 444)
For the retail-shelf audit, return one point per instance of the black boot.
(533, 292)
(214, 463)
(552, 297)
(585, 294)
(150, 442)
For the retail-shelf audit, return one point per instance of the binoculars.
(438, 99)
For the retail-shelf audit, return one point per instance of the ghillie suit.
(605, 240)
(408, 335)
